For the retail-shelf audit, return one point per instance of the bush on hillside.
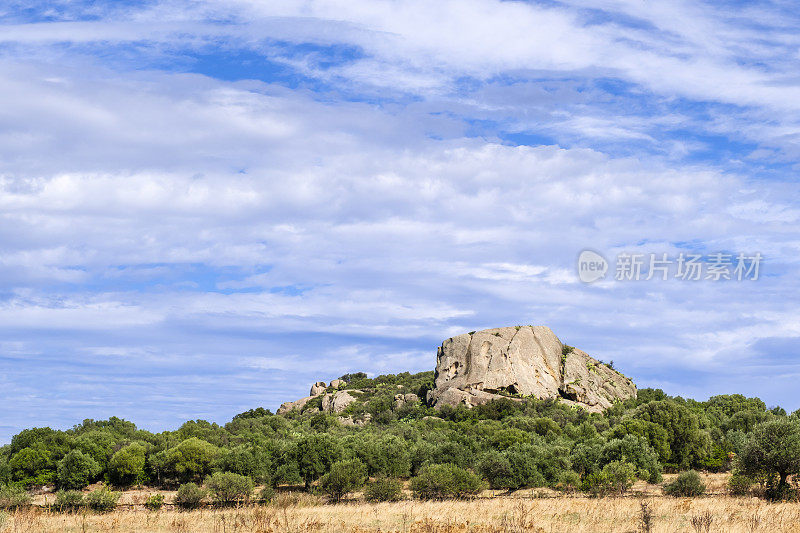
(13, 497)
(227, 488)
(189, 496)
(102, 500)
(266, 494)
(739, 485)
(442, 481)
(69, 500)
(686, 484)
(384, 489)
(154, 502)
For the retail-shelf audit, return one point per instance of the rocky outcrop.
(478, 367)
(318, 388)
(338, 401)
(291, 406)
(331, 402)
(401, 400)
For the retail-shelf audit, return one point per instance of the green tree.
(192, 459)
(773, 449)
(126, 467)
(76, 470)
(682, 427)
(227, 488)
(315, 454)
(344, 477)
(32, 466)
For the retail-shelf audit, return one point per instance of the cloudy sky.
(206, 206)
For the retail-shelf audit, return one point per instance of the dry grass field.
(525, 511)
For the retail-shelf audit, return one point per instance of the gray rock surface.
(291, 406)
(338, 401)
(400, 400)
(318, 388)
(477, 367)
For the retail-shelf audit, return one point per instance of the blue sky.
(206, 206)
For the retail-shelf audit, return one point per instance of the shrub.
(13, 497)
(344, 477)
(76, 470)
(102, 500)
(615, 477)
(154, 502)
(595, 484)
(69, 500)
(384, 489)
(568, 481)
(686, 484)
(227, 488)
(440, 481)
(496, 468)
(267, 494)
(189, 496)
(739, 485)
(619, 476)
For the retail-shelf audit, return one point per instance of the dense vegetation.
(452, 452)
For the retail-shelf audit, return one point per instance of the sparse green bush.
(739, 485)
(568, 481)
(189, 496)
(442, 481)
(620, 476)
(384, 489)
(13, 497)
(266, 494)
(69, 500)
(616, 477)
(102, 500)
(686, 484)
(154, 502)
(344, 477)
(227, 488)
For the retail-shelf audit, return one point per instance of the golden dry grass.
(537, 510)
(486, 515)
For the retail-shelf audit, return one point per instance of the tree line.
(511, 443)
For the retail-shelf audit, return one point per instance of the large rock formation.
(477, 367)
(331, 402)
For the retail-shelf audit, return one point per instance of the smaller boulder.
(338, 383)
(291, 406)
(318, 388)
(401, 400)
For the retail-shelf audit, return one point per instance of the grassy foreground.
(503, 514)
